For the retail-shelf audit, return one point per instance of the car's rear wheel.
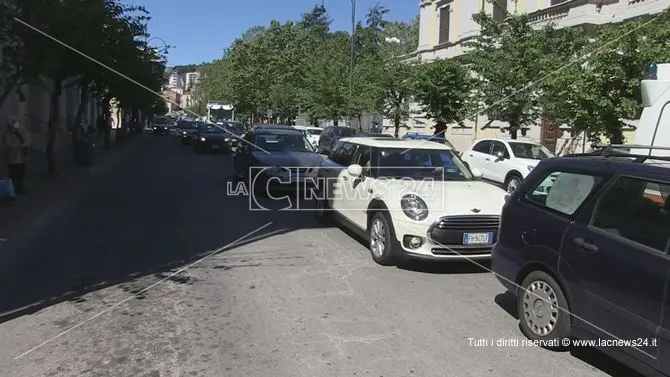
(544, 314)
(383, 246)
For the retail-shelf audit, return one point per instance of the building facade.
(445, 25)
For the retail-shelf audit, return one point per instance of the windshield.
(210, 129)
(345, 132)
(530, 151)
(283, 143)
(160, 120)
(236, 128)
(422, 164)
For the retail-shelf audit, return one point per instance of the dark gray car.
(331, 135)
(276, 157)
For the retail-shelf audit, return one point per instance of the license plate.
(215, 147)
(477, 238)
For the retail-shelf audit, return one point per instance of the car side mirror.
(355, 170)
(477, 173)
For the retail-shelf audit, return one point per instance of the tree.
(597, 94)
(505, 59)
(442, 87)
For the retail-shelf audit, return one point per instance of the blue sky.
(201, 29)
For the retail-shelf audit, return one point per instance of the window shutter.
(499, 10)
(445, 14)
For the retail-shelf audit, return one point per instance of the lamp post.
(351, 63)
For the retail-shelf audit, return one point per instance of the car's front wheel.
(383, 245)
(543, 311)
(512, 182)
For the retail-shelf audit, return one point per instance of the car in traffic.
(505, 162)
(187, 131)
(313, 134)
(410, 199)
(235, 131)
(331, 135)
(583, 246)
(212, 138)
(275, 157)
(160, 125)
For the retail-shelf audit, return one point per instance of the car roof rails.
(623, 150)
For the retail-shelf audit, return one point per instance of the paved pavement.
(89, 291)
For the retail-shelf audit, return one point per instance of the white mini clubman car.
(410, 199)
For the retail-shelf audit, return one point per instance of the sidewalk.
(44, 190)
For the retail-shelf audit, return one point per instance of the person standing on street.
(16, 146)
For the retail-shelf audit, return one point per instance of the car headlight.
(414, 207)
(183, 132)
(202, 139)
(530, 167)
(227, 139)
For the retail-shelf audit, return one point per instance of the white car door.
(358, 190)
(500, 167)
(339, 180)
(479, 157)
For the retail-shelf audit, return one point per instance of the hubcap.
(512, 185)
(377, 238)
(540, 308)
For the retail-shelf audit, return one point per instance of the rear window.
(563, 192)
(345, 132)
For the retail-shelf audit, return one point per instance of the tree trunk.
(83, 102)
(440, 128)
(615, 135)
(360, 122)
(11, 84)
(54, 115)
(513, 129)
(107, 129)
(335, 121)
(396, 123)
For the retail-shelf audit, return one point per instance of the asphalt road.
(89, 291)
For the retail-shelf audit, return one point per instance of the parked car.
(375, 134)
(583, 245)
(275, 157)
(212, 138)
(313, 134)
(435, 138)
(410, 199)
(505, 162)
(331, 135)
(187, 132)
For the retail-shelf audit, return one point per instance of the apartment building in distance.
(446, 24)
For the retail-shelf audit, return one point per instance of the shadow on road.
(507, 301)
(155, 212)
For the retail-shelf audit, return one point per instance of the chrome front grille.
(470, 223)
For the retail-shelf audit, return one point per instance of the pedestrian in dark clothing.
(16, 145)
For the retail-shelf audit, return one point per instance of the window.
(530, 151)
(362, 157)
(483, 147)
(343, 153)
(445, 15)
(563, 192)
(439, 164)
(499, 147)
(636, 209)
(499, 10)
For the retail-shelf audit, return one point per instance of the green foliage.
(597, 95)
(303, 67)
(443, 88)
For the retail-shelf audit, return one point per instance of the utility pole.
(351, 63)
